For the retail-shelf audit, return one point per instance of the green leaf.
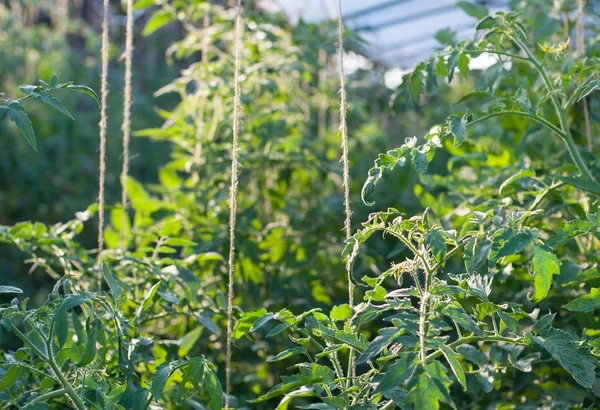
(399, 372)
(472, 354)
(522, 99)
(588, 88)
(289, 384)
(463, 65)
(287, 353)
(463, 320)
(524, 173)
(55, 103)
(86, 90)
(61, 326)
(430, 388)
(545, 265)
(54, 81)
(446, 36)
(72, 301)
(187, 342)
(472, 9)
(581, 183)
(474, 94)
(458, 128)
(386, 336)
(455, 365)
(212, 387)
(180, 242)
(192, 375)
(22, 121)
(543, 323)
(113, 282)
(585, 303)
(9, 289)
(246, 322)
(341, 312)
(261, 322)
(90, 345)
(161, 376)
(10, 377)
(566, 351)
(436, 241)
(158, 20)
(3, 112)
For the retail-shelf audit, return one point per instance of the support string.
(233, 195)
(126, 127)
(344, 132)
(103, 123)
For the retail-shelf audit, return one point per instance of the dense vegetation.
(475, 265)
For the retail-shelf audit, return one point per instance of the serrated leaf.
(399, 372)
(523, 100)
(428, 390)
(588, 89)
(545, 265)
(289, 384)
(9, 289)
(463, 320)
(113, 282)
(161, 376)
(341, 312)
(22, 121)
(11, 376)
(455, 365)
(472, 354)
(386, 336)
(474, 94)
(72, 301)
(472, 9)
(246, 322)
(585, 303)
(212, 387)
(86, 90)
(436, 241)
(565, 350)
(191, 378)
(458, 128)
(287, 353)
(55, 103)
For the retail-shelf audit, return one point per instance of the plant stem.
(48, 396)
(471, 339)
(532, 117)
(50, 360)
(560, 111)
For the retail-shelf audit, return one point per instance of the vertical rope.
(581, 49)
(344, 131)
(233, 193)
(103, 122)
(126, 127)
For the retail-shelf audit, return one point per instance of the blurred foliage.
(481, 281)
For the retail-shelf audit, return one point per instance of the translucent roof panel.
(399, 32)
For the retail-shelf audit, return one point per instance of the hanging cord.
(344, 131)
(233, 193)
(346, 184)
(103, 122)
(581, 49)
(126, 127)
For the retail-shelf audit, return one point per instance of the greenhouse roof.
(399, 32)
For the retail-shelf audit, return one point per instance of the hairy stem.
(560, 111)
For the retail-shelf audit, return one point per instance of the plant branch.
(560, 111)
